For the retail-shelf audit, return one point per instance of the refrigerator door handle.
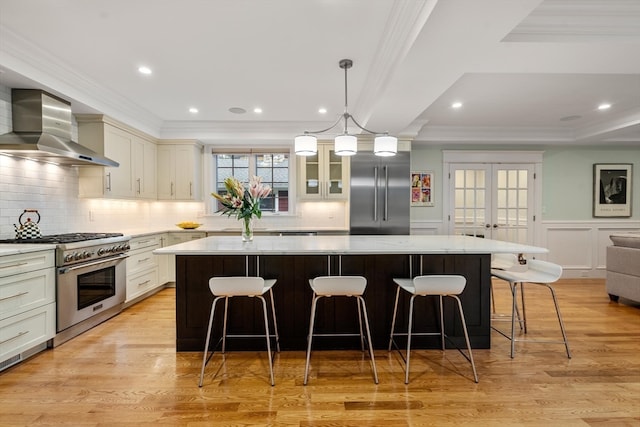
(375, 193)
(386, 194)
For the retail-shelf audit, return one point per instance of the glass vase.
(247, 229)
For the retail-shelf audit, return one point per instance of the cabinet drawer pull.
(13, 296)
(13, 338)
(144, 283)
(14, 265)
(143, 260)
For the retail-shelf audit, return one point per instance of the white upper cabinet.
(136, 153)
(324, 175)
(179, 170)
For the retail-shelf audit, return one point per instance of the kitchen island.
(293, 260)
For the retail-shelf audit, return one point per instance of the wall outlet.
(91, 218)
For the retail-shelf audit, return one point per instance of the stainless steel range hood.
(42, 131)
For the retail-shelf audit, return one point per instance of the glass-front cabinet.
(324, 175)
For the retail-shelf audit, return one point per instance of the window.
(273, 168)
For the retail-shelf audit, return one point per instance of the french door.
(493, 200)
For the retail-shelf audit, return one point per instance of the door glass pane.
(470, 180)
(501, 200)
(522, 199)
(502, 179)
(512, 198)
(480, 199)
(522, 178)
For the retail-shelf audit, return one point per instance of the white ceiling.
(519, 66)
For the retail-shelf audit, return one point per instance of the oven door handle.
(98, 262)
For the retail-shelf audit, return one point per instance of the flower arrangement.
(243, 202)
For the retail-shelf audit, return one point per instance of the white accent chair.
(537, 273)
(431, 285)
(340, 286)
(224, 288)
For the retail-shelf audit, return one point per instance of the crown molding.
(29, 60)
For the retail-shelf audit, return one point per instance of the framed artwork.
(612, 189)
(422, 188)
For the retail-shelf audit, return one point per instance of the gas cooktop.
(64, 238)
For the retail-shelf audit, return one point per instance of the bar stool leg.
(393, 321)
(224, 326)
(360, 300)
(360, 325)
(524, 310)
(564, 334)
(406, 377)
(466, 337)
(206, 345)
(514, 306)
(275, 323)
(310, 336)
(442, 343)
(266, 334)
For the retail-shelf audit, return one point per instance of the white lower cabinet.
(142, 266)
(27, 304)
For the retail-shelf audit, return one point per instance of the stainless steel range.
(90, 279)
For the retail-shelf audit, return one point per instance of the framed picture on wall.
(612, 189)
(422, 188)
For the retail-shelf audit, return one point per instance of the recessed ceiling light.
(144, 70)
(604, 106)
(456, 105)
(237, 110)
(569, 118)
(322, 110)
(257, 110)
(193, 110)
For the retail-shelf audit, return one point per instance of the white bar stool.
(537, 273)
(333, 286)
(431, 285)
(224, 288)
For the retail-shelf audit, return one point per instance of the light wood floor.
(126, 372)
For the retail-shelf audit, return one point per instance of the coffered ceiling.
(525, 71)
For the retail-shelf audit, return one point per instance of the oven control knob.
(77, 255)
(86, 254)
(101, 251)
(68, 258)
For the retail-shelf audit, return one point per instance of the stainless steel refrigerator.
(380, 193)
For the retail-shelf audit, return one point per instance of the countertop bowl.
(187, 225)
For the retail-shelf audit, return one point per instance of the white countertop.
(336, 245)
(136, 232)
(23, 248)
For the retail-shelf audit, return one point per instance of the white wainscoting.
(427, 228)
(581, 246)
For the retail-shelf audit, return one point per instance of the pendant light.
(346, 144)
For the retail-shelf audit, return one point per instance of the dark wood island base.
(293, 295)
